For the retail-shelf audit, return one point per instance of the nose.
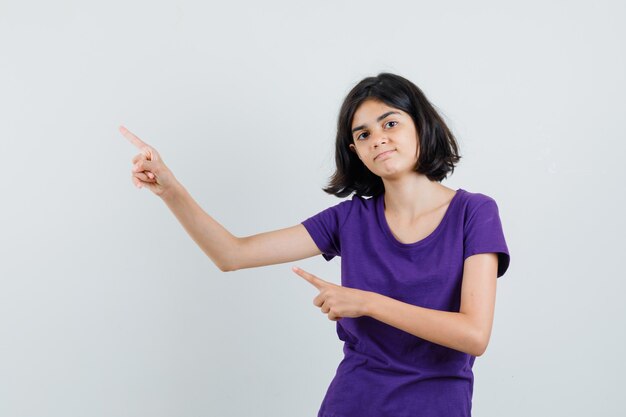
(379, 139)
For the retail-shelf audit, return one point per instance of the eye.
(391, 121)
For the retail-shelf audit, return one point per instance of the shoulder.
(329, 222)
(336, 213)
(356, 207)
(472, 201)
(482, 229)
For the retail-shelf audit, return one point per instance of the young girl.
(419, 261)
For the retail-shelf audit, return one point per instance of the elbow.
(229, 258)
(479, 352)
(480, 347)
(223, 266)
(227, 268)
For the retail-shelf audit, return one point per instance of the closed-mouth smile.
(384, 153)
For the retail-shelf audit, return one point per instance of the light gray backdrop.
(108, 308)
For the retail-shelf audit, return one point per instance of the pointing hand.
(335, 300)
(149, 170)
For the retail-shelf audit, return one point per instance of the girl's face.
(384, 138)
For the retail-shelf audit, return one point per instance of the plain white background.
(108, 308)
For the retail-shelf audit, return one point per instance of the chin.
(395, 172)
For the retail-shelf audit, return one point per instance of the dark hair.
(438, 150)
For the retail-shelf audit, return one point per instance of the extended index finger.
(132, 138)
(317, 282)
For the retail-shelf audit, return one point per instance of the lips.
(384, 153)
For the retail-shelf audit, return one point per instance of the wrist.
(173, 192)
(372, 300)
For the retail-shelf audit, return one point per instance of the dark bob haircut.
(438, 149)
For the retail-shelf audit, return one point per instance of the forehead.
(369, 110)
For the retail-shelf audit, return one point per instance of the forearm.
(214, 240)
(446, 328)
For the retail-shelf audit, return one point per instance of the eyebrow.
(381, 117)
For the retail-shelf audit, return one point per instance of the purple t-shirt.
(387, 371)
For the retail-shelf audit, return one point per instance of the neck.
(413, 195)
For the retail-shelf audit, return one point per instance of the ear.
(353, 149)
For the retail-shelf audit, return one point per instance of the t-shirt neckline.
(380, 208)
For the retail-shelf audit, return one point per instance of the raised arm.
(228, 252)
(275, 247)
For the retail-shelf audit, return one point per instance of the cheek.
(416, 145)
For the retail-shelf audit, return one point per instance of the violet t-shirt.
(387, 372)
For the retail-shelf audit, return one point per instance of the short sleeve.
(324, 228)
(483, 234)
